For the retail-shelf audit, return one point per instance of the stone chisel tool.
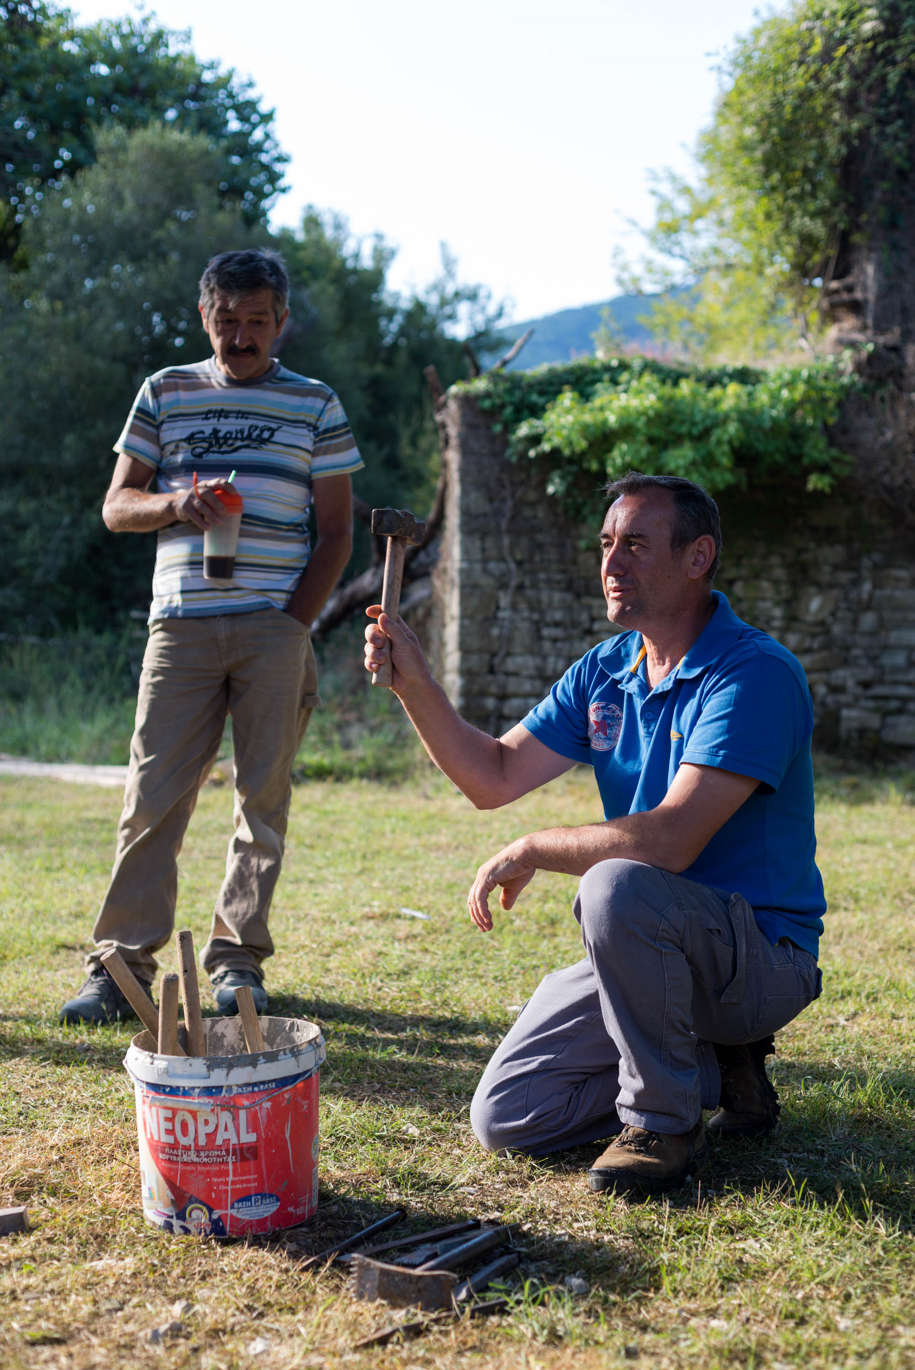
(431, 1239)
(190, 994)
(168, 1016)
(254, 1038)
(400, 527)
(332, 1252)
(133, 992)
(458, 1256)
(509, 1260)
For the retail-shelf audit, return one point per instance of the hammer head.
(397, 523)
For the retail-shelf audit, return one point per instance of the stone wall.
(517, 598)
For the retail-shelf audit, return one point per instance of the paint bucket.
(229, 1141)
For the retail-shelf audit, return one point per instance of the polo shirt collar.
(718, 633)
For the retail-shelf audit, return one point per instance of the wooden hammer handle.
(251, 1027)
(131, 989)
(168, 1017)
(390, 601)
(190, 994)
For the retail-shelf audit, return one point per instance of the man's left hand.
(507, 868)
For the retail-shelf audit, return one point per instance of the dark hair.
(695, 512)
(234, 274)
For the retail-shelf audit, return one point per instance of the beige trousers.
(259, 668)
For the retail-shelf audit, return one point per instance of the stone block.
(514, 707)
(860, 721)
(821, 661)
(897, 578)
(901, 637)
(818, 605)
(899, 731)
(896, 599)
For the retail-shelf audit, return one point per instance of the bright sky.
(519, 132)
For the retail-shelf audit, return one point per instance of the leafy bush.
(721, 427)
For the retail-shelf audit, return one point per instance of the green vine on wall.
(723, 427)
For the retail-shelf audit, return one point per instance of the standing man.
(699, 899)
(241, 649)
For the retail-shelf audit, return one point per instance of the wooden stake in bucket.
(229, 1140)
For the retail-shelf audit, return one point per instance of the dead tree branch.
(513, 351)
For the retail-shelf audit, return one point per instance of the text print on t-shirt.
(204, 442)
(605, 722)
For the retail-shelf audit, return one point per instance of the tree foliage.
(809, 149)
(60, 84)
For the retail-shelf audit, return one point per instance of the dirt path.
(112, 776)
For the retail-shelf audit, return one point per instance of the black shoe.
(647, 1162)
(749, 1105)
(99, 1001)
(226, 982)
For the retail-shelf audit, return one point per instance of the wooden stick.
(168, 1016)
(249, 1020)
(190, 994)
(131, 989)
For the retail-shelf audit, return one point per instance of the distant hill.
(569, 333)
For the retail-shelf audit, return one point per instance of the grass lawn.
(797, 1251)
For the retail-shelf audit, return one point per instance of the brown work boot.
(650, 1162)
(749, 1105)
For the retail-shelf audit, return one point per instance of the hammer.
(400, 528)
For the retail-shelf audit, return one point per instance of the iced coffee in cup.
(220, 541)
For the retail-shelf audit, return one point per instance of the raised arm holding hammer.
(401, 529)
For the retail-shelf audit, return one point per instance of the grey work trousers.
(624, 1036)
(260, 668)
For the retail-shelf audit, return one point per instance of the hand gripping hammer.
(400, 528)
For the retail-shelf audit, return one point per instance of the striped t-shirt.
(279, 433)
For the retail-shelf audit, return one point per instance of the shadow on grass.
(545, 1257)
(32, 1036)
(372, 1051)
(845, 1142)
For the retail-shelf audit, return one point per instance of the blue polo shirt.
(737, 700)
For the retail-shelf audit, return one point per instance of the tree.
(802, 213)
(61, 84)
(45, 121)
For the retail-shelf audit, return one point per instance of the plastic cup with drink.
(220, 541)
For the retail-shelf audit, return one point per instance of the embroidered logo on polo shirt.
(675, 736)
(605, 722)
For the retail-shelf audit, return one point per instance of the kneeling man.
(699, 901)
